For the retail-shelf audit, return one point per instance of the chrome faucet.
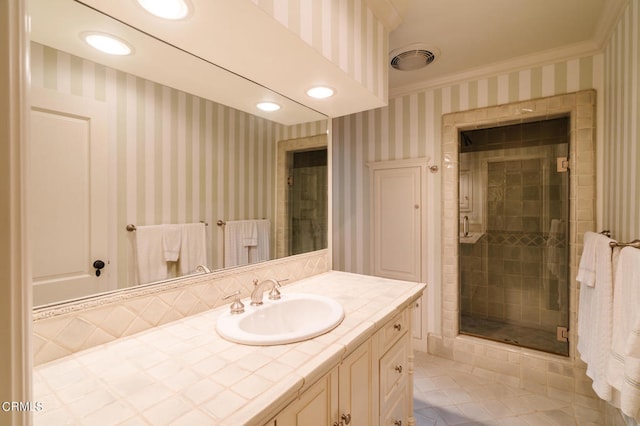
(258, 290)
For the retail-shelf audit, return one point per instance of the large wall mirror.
(149, 166)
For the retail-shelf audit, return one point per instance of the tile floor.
(451, 393)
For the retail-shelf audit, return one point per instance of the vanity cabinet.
(313, 407)
(340, 397)
(372, 386)
(394, 371)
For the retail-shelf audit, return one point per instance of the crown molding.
(518, 63)
(606, 24)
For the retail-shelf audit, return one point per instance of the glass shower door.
(513, 259)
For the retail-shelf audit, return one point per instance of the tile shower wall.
(202, 160)
(309, 211)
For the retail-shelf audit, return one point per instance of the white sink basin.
(293, 318)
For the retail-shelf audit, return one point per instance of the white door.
(68, 181)
(397, 223)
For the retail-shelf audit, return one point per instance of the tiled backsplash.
(71, 327)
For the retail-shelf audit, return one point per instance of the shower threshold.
(513, 334)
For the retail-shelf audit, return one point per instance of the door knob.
(98, 264)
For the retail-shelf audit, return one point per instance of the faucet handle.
(237, 307)
(274, 294)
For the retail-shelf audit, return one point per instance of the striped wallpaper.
(173, 157)
(344, 31)
(410, 127)
(621, 127)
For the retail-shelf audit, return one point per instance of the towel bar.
(634, 244)
(131, 227)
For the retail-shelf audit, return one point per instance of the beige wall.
(621, 142)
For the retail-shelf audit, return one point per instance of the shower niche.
(513, 233)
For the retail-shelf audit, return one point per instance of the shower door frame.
(580, 107)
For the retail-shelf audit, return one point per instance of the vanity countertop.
(185, 373)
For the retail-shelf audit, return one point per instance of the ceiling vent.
(413, 57)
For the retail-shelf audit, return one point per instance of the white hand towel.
(172, 240)
(152, 265)
(595, 311)
(624, 361)
(630, 395)
(235, 252)
(260, 252)
(249, 233)
(587, 268)
(193, 247)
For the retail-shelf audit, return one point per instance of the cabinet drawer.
(395, 412)
(395, 329)
(394, 367)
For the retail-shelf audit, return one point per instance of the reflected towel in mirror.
(193, 247)
(150, 256)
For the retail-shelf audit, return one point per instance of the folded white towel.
(249, 231)
(193, 247)
(172, 239)
(260, 252)
(595, 311)
(152, 265)
(587, 268)
(630, 395)
(235, 252)
(624, 361)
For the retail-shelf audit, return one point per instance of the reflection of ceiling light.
(166, 9)
(320, 92)
(268, 106)
(107, 43)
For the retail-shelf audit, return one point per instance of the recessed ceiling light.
(320, 92)
(166, 9)
(107, 43)
(268, 106)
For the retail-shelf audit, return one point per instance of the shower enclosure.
(513, 250)
(308, 209)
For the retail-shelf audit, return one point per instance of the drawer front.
(394, 368)
(395, 412)
(395, 329)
